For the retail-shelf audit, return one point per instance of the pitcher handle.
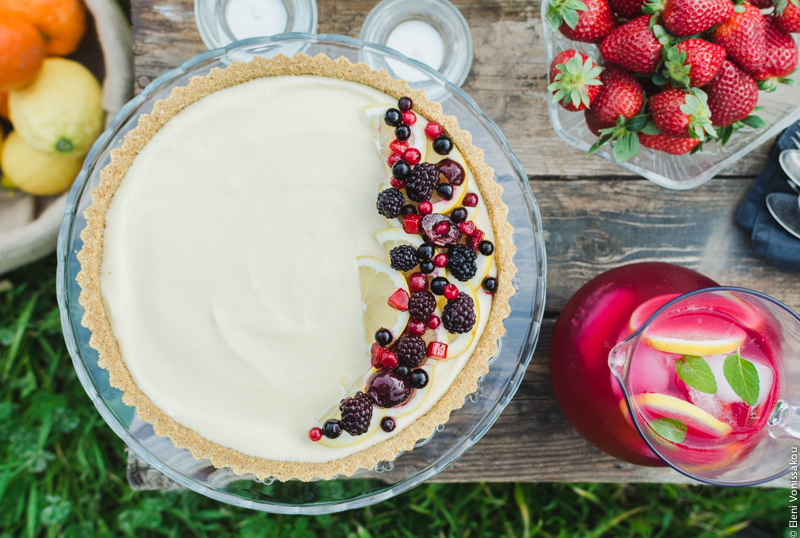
(785, 420)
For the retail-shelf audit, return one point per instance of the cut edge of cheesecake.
(90, 258)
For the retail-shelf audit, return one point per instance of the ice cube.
(724, 390)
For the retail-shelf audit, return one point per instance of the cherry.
(451, 235)
(442, 228)
(415, 327)
(440, 260)
(450, 292)
(410, 118)
(412, 156)
(386, 389)
(433, 130)
(418, 282)
(434, 322)
(425, 208)
(408, 209)
(451, 170)
(470, 200)
(315, 434)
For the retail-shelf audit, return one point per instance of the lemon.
(378, 282)
(682, 410)
(390, 238)
(459, 343)
(700, 348)
(484, 264)
(383, 134)
(61, 112)
(36, 172)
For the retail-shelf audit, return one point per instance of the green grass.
(62, 472)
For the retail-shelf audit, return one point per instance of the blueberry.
(401, 170)
(445, 190)
(405, 104)
(438, 284)
(489, 284)
(331, 429)
(402, 371)
(383, 337)
(459, 215)
(486, 248)
(426, 251)
(387, 424)
(393, 117)
(408, 209)
(426, 267)
(418, 379)
(403, 132)
(443, 145)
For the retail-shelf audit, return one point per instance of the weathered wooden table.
(596, 216)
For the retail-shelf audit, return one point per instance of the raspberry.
(403, 258)
(356, 414)
(390, 203)
(424, 180)
(458, 315)
(410, 351)
(461, 262)
(421, 305)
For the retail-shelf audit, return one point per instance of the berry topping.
(452, 171)
(405, 104)
(402, 371)
(445, 190)
(423, 180)
(410, 350)
(315, 434)
(398, 147)
(410, 118)
(467, 227)
(437, 350)
(397, 184)
(438, 284)
(412, 156)
(331, 429)
(425, 208)
(389, 360)
(411, 224)
(401, 170)
(383, 337)
(458, 315)
(489, 284)
(461, 263)
(470, 200)
(450, 291)
(426, 251)
(393, 117)
(393, 159)
(418, 282)
(427, 267)
(434, 322)
(442, 145)
(403, 258)
(433, 130)
(399, 300)
(416, 327)
(475, 240)
(388, 424)
(376, 353)
(486, 248)
(418, 379)
(440, 260)
(442, 228)
(402, 132)
(421, 305)
(429, 226)
(459, 215)
(356, 414)
(390, 203)
(408, 210)
(386, 389)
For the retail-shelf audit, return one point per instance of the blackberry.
(424, 180)
(438, 284)
(403, 258)
(410, 351)
(458, 315)
(390, 203)
(461, 262)
(421, 305)
(356, 414)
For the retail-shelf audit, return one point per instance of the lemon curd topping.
(230, 273)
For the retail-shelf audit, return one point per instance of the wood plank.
(508, 76)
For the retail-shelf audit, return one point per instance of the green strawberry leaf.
(754, 121)
(637, 123)
(670, 429)
(651, 129)
(742, 377)
(659, 79)
(698, 148)
(739, 8)
(695, 372)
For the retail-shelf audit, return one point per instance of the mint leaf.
(670, 429)
(743, 378)
(696, 373)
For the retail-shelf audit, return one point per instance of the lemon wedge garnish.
(383, 134)
(672, 407)
(700, 348)
(459, 343)
(390, 238)
(378, 282)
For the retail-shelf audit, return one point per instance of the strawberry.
(762, 4)
(589, 21)
(732, 95)
(780, 60)
(668, 144)
(592, 122)
(620, 95)
(682, 114)
(627, 9)
(694, 62)
(689, 17)
(744, 36)
(787, 15)
(574, 80)
(633, 46)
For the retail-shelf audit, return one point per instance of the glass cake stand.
(466, 426)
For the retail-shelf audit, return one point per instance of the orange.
(62, 23)
(21, 53)
(4, 105)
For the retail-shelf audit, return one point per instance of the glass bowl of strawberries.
(673, 90)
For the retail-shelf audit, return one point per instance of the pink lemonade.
(704, 377)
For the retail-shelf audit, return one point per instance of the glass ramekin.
(466, 426)
(679, 172)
